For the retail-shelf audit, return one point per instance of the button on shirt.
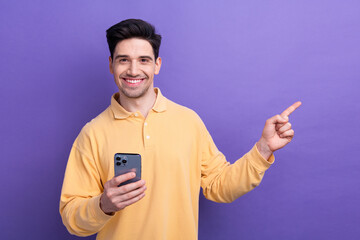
(178, 157)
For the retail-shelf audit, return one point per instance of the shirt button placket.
(146, 134)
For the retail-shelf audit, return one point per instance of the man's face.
(134, 66)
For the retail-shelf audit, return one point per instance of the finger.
(290, 109)
(133, 200)
(288, 134)
(279, 125)
(129, 195)
(284, 128)
(115, 181)
(276, 120)
(131, 187)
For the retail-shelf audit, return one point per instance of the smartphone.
(127, 162)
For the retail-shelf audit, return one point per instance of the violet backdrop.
(236, 63)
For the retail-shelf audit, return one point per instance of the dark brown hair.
(133, 28)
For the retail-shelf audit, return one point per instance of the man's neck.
(143, 104)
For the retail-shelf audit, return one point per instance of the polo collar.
(160, 102)
(121, 113)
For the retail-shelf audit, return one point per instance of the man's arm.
(225, 182)
(85, 205)
(80, 195)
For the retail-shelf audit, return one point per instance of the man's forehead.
(134, 47)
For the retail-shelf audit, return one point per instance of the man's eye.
(122, 60)
(144, 60)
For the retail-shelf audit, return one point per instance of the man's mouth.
(133, 81)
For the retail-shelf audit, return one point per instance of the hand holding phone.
(122, 190)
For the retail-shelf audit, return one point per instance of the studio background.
(236, 63)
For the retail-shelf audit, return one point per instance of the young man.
(178, 154)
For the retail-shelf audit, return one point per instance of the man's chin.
(133, 93)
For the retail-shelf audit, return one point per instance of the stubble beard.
(134, 94)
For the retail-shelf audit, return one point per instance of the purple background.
(236, 63)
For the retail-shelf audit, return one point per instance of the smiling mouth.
(133, 81)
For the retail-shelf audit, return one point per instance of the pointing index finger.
(290, 109)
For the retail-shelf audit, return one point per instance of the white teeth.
(133, 81)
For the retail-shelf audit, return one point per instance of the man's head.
(133, 28)
(134, 59)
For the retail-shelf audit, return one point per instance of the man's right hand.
(115, 198)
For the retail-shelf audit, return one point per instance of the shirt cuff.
(258, 161)
(99, 215)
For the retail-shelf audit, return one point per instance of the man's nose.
(133, 69)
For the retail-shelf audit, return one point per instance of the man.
(178, 154)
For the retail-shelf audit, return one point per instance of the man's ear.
(110, 65)
(157, 65)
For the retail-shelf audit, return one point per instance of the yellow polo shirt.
(178, 157)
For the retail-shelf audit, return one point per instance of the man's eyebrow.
(127, 56)
(121, 56)
(147, 57)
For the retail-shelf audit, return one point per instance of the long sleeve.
(225, 182)
(80, 195)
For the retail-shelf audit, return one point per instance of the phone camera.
(118, 158)
(118, 163)
(124, 161)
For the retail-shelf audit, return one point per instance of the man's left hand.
(277, 132)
